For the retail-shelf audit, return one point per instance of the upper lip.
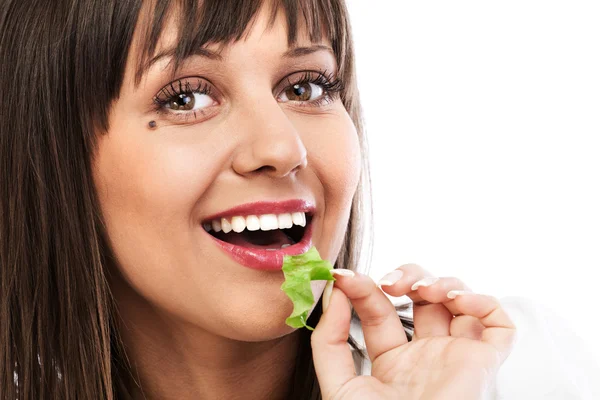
(265, 207)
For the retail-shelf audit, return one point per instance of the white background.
(483, 121)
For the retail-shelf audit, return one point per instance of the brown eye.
(189, 101)
(301, 92)
(182, 102)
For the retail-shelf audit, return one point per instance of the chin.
(260, 324)
(259, 329)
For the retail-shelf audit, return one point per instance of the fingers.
(478, 316)
(435, 318)
(332, 357)
(399, 283)
(433, 310)
(435, 289)
(431, 320)
(499, 330)
(381, 325)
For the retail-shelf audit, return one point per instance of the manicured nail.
(425, 282)
(453, 293)
(342, 272)
(391, 278)
(327, 295)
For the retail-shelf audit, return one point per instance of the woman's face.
(231, 130)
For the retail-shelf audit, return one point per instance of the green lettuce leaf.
(299, 271)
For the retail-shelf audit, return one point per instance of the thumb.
(332, 357)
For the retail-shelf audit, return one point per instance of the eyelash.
(176, 88)
(330, 84)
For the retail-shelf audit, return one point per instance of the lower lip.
(266, 260)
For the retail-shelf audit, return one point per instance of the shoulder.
(548, 361)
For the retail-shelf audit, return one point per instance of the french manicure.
(453, 293)
(425, 282)
(391, 278)
(342, 272)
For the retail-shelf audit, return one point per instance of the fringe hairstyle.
(62, 67)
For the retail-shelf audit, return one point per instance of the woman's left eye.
(306, 91)
(309, 88)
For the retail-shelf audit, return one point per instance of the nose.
(271, 144)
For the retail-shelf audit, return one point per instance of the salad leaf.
(299, 270)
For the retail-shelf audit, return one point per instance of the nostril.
(279, 173)
(298, 168)
(266, 168)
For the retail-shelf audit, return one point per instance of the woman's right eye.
(185, 97)
(190, 101)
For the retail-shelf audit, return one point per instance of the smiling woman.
(160, 160)
(172, 143)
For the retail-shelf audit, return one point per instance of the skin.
(458, 346)
(193, 320)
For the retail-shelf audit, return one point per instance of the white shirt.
(548, 361)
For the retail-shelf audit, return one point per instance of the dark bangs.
(202, 22)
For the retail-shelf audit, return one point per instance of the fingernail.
(327, 295)
(391, 278)
(424, 282)
(453, 293)
(342, 272)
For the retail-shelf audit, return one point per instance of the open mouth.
(267, 232)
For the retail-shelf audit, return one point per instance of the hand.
(456, 351)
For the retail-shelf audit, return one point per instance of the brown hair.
(62, 67)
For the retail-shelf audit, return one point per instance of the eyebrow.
(303, 51)
(212, 55)
(170, 53)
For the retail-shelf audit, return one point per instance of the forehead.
(187, 27)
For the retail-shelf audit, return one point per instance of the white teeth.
(299, 218)
(268, 222)
(283, 246)
(225, 225)
(284, 221)
(238, 224)
(252, 223)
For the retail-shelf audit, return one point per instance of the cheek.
(148, 172)
(335, 157)
(154, 174)
(334, 153)
(148, 187)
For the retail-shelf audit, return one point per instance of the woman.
(154, 156)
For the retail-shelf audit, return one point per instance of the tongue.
(258, 239)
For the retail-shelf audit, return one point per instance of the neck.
(217, 370)
(174, 360)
